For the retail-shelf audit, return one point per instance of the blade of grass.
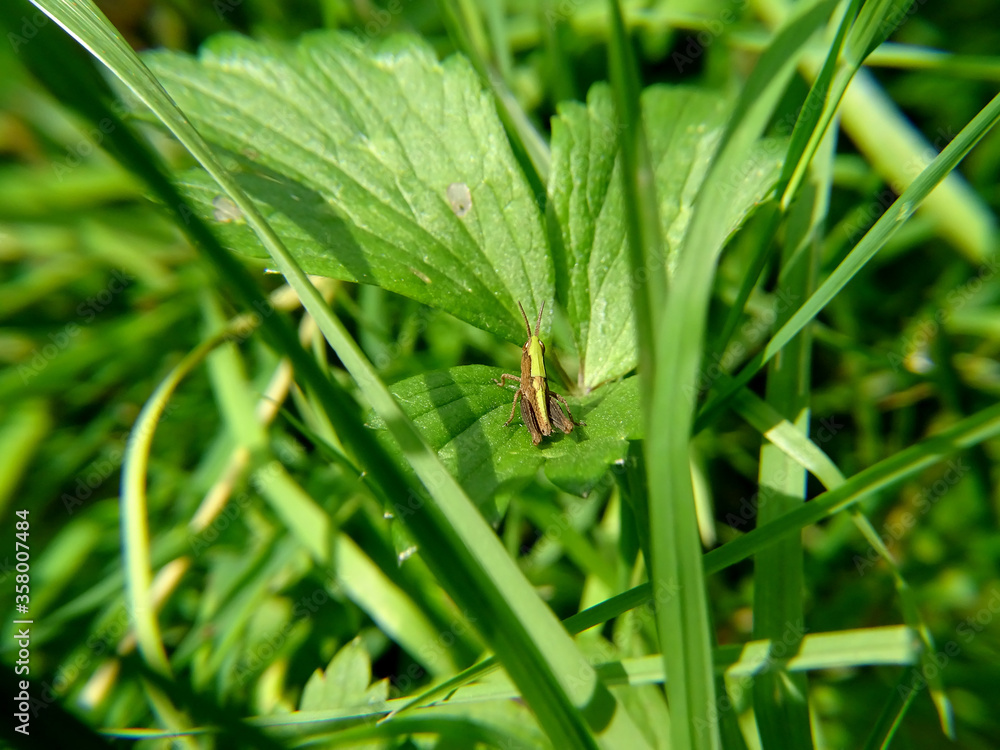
(896, 705)
(893, 146)
(678, 330)
(815, 108)
(873, 241)
(682, 623)
(780, 700)
(134, 520)
(881, 476)
(843, 60)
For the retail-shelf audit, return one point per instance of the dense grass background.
(206, 584)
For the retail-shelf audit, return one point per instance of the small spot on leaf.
(460, 198)
(225, 210)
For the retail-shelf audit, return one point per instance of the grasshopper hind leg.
(562, 419)
(531, 422)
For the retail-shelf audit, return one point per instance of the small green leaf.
(344, 684)
(375, 163)
(593, 276)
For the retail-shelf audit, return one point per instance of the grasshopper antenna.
(525, 316)
(538, 323)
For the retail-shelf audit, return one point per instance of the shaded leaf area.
(375, 163)
(461, 413)
(593, 277)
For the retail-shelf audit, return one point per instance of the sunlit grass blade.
(677, 332)
(886, 474)
(135, 524)
(893, 146)
(781, 700)
(873, 241)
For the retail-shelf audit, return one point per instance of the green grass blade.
(885, 474)
(897, 704)
(894, 146)
(781, 700)
(682, 622)
(888, 224)
(135, 521)
(873, 241)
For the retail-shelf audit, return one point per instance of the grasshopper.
(540, 407)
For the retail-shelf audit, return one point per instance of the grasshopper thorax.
(534, 349)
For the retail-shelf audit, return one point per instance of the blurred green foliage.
(102, 296)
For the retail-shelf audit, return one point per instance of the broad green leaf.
(374, 163)
(593, 276)
(461, 413)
